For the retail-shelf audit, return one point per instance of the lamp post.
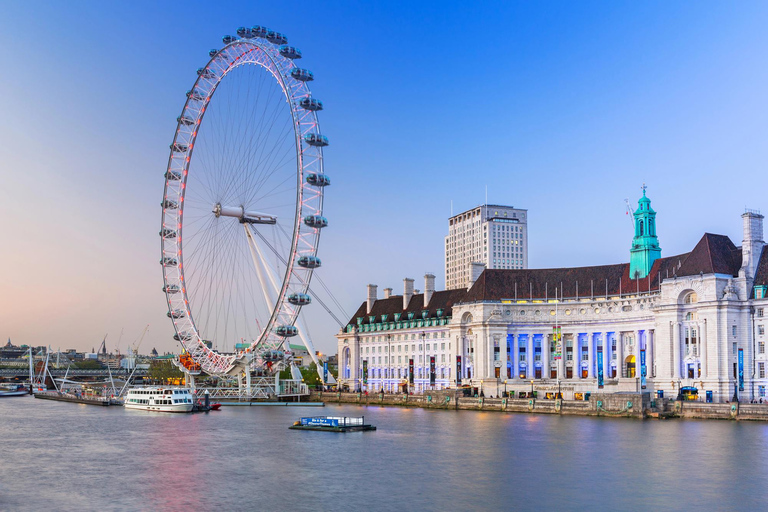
(679, 390)
(531, 388)
(505, 387)
(735, 391)
(559, 394)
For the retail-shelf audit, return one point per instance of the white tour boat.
(160, 399)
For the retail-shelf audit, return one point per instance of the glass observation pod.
(286, 331)
(318, 180)
(309, 262)
(276, 37)
(311, 104)
(259, 31)
(273, 355)
(194, 95)
(299, 299)
(315, 139)
(213, 53)
(289, 52)
(303, 75)
(169, 262)
(179, 148)
(244, 32)
(171, 205)
(173, 175)
(315, 221)
(229, 39)
(205, 73)
(176, 313)
(186, 121)
(183, 336)
(171, 288)
(168, 233)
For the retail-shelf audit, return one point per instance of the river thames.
(62, 456)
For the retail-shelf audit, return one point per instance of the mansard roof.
(443, 300)
(761, 275)
(714, 254)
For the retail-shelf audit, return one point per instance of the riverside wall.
(626, 405)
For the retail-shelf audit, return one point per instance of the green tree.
(162, 370)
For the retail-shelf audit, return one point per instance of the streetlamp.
(735, 391)
(505, 387)
(531, 388)
(559, 394)
(679, 391)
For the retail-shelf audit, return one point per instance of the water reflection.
(245, 458)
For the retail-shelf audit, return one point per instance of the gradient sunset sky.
(562, 108)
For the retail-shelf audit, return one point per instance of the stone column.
(576, 356)
(703, 345)
(650, 339)
(591, 355)
(606, 355)
(529, 366)
(516, 356)
(545, 356)
(503, 356)
(637, 351)
(561, 361)
(620, 355)
(512, 340)
(676, 350)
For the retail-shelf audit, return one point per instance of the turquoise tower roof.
(645, 245)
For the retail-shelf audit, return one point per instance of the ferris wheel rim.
(187, 332)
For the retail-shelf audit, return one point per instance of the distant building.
(691, 324)
(493, 235)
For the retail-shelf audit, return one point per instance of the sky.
(565, 109)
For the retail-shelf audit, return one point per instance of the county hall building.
(692, 324)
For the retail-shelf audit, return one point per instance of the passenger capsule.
(167, 261)
(303, 75)
(183, 336)
(286, 331)
(299, 299)
(259, 31)
(173, 175)
(315, 139)
(186, 121)
(276, 37)
(176, 313)
(318, 180)
(229, 39)
(311, 104)
(315, 221)
(195, 96)
(169, 204)
(171, 288)
(309, 261)
(273, 355)
(206, 73)
(168, 233)
(290, 52)
(244, 32)
(177, 147)
(213, 53)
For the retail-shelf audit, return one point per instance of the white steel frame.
(309, 201)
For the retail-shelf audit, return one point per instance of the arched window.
(641, 228)
(691, 298)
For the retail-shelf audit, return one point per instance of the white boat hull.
(161, 408)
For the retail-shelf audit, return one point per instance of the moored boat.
(14, 390)
(160, 399)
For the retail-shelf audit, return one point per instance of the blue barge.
(332, 424)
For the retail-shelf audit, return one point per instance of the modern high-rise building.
(489, 236)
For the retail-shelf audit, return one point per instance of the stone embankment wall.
(620, 404)
(628, 405)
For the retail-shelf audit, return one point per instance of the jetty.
(77, 399)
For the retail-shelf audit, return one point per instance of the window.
(761, 347)
(760, 312)
(761, 391)
(761, 370)
(733, 331)
(761, 330)
(691, 298)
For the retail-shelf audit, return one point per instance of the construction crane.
(137, 343)
(630, 213)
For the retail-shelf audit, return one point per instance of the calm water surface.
(60, 456)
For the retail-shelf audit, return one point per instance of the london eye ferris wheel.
(242, 205)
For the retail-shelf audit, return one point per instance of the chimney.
(387, 293)
(371, 297)
(407, 291)
(429, 288)
(476, 268)
(752, 245)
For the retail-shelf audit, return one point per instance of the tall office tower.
(494, 235)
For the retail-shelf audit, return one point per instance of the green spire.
(645, 246)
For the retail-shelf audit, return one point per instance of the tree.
(163, 370)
